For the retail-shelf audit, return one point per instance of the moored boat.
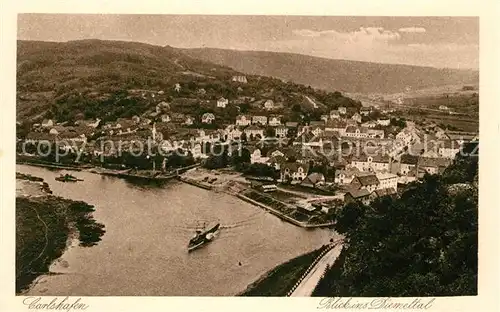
(67, 178)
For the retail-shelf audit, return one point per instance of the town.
(302, 169)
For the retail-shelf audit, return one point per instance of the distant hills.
(336, 75)
(114, 79)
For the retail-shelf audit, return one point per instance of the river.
(143, 252)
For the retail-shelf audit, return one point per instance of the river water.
(143, 252)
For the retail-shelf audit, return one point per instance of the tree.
(424, 243)
(269, 132)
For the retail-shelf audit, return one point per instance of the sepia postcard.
(179, 155)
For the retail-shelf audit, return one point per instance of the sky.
(451, 42)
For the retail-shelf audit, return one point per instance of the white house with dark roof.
(356, 132)
(189, 121)
(336, 126)
(449, 148)
(375, 163)
(407, 163)
(432, 165)
(365, 111)
(281, 131)
(47, 123)
(222, 102)
(387, 180)
(269, 104)
(274, 121)
(384, 122)
(234, 134)
(240, 79)
(334, 114)
(207, 118)
(367, 182)
(293, 172)
(261, 120)
(243, 120)
(257, 157)
(254, 131)
(356, 117)
(342, 110)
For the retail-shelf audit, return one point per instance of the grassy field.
(279, 281)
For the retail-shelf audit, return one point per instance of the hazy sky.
(431, 41)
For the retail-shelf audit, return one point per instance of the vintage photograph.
(257, 155)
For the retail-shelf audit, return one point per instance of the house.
(243, 120)
(165, 118)
(47, 123)
(314, 179)
(375, 133)
(53, 131)
(274, 121)
(356, 132)
(241, 79)
(461, 136)
(443, 107)
(449, 148)
(356, 117)
(361, 195)
(408, 135)
(317, 130)
(334, 114)
(384, 122)
(387, 180)
(256, 157)
(189, 121)
(346, 176)
(293, 172)
(432, 165)
(336, 126)
(162, 107)
(207, 118)
(262, 120)
(136, 119)
(269, 104)
(342, 110)
(383, 192)
(234, 134)
(177, 87)
(365, 111)
(369, 124)
(304, 138)
(222, 102)
(368, 182)
(254, 132)
(325, 118)
(275, 153)
(407, 163)
(281, 131)
(372, 163)
(276, 161)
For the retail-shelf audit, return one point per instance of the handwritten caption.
(65, 304)
(377, 303)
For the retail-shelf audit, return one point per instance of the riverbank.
(148, 175)
(281, 204)
(280, 280)
(44, 226)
